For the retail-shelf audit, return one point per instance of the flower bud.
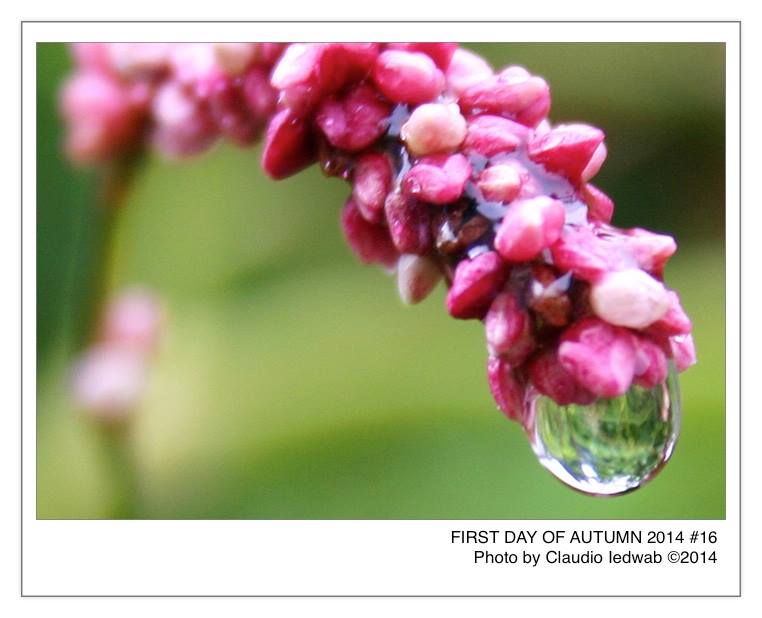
(132, 320)
(109, 380)
(514, 94)
(234, 58)
(433, 128)
(509, 330)
(599, 356)
(370, 243)
(582, 253)
(372, 181)
(630, 298)
(651, 251)
(440, 53)
(600, 207)
(506, 389)
(499, 183)
(406, 77)
(549, 377)
(650, 363)
(101, 119)
(529, 226)
(492, 135)
(289, 147)
(354, 121)
(568, 149)
(674, 322)
(438, 179)
(466, 69)
(417, 276)
(182, 125)
(683, 351)
(409, 224)
(475, 284)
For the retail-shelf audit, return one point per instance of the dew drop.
(612, 446)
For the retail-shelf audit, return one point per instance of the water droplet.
(612, 446)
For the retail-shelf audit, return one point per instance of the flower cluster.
(179, 96)
(456, 174)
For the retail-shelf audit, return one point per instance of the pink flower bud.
(354, 121)
(229, 110)
(492, 135)
(234, 58)
(440, 53)
(514, 94)
(500, 183)
(289, 147)
(567, 149)
(259, 96)
(306, 72)
(92, 56)
(192, 64)
(475, 284)
(108, 381)
(139, 60)
(549, 377)
(600, 207)
(509, 330)
(466, 69)
(372, 181)
(599, 356)
(595, 163)
(630, 298)
(406, 77)
(417, 276)
(651, 251)
(674, 322)
(683, 351)
(433, 128)
(370, 243)
(101, 118)
(409, 224)
(506, 389)
(650, 363)
(133, 320)
(528, 227)
(438, 179)
(182, 126)
(582, 253)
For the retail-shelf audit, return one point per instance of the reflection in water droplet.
(611, 446)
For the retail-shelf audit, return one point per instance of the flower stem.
(114, 438)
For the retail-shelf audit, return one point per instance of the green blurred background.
(292, 383)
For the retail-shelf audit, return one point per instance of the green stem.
(114, 438)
